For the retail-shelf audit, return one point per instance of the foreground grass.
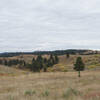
(51, 86)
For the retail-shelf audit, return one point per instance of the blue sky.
(29, 25)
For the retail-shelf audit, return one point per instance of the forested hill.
(57, 52)
(69, 51)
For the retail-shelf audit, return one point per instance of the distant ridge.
(56, 52)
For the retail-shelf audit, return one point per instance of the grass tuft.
(30, 92)
(70, 93)
(46, 93)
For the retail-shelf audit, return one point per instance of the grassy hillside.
(59, 83)
(92, 62)
(7, 71)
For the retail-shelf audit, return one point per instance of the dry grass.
(51, 86)
(16, 84)
(92, 62)
(10, 71)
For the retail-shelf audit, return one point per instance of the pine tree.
(51, 60)
(9, 63)
(56, 59)
(5, 62)
(49, 63)
(39, 58)
(45, 65)
(36, 66)
(24, 63)
(33, 60)
(79, 65)
(1, 61)
(67, 55)
(45, 60)
(40, 62)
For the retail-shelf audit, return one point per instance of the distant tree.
(45, 65)
(36, 66)
(5, 62)
(45, 60)
(9, 63)
(96, 52)
(51, 56)
(33, 60)
(33, 66)
(52, 60)
(79, 66)
(14, 62)
(49, 63)
(67, 55)
(24, 63)
(1, 61)
(39, 58)
(56, 59)
(39, 61)
(20, 62)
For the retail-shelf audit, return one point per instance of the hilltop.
(56, 52)
(92, 62)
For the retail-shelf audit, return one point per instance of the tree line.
(12, 62)
(57, 52)
(41, 63)
(36, 65)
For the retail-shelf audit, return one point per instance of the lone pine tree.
(67, 55)
(79, 66)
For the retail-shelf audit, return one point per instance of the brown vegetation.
(16, 84)
(51, 86)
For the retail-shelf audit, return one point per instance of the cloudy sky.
(29, 25)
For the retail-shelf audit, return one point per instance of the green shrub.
(30, 92)
(11, 98)
(46, 93)
(71, 92)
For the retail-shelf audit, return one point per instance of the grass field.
(16, 84)
(51, 86)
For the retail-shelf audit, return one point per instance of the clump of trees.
(79, 66)
(36, 65)
(41, 63)
(12, 62)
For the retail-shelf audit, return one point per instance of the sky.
(30, 25)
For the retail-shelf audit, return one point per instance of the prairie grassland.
(51, 86)
(16, 84)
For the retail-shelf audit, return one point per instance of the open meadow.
(51, 86)
(60, 82)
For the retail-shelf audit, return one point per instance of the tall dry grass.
(51, 86)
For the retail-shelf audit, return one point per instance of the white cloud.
(49, 24)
